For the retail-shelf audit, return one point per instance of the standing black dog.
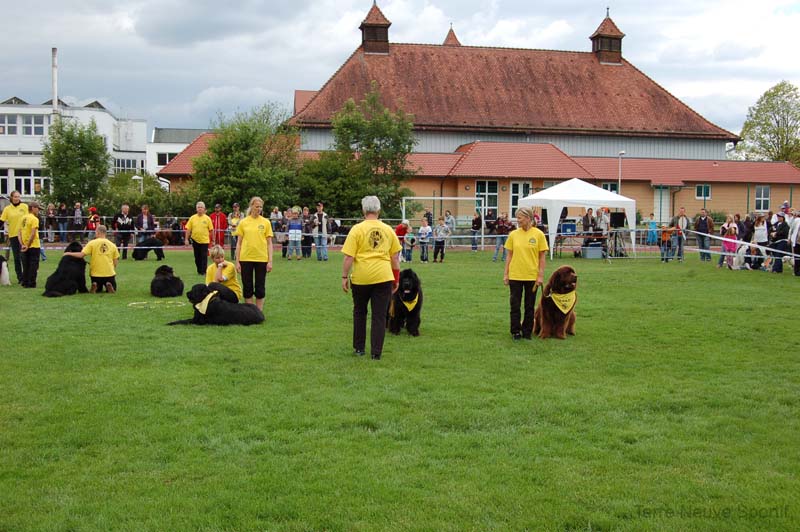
(406, 304)
(165, 284)
(69, 277)
(142, 249)
(220, 308)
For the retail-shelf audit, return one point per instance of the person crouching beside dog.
(524, 271)
(222, 271)
(30, 245)
(254, 252)
(104, 256)
(372, 251)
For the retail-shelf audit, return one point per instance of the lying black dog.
(69, 277)
(406, 304)
(143, 248)
(216, 304)
(165, 284)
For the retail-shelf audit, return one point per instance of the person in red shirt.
(401, 231)
(220, 224)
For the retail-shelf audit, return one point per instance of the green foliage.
(373, 145)
(661, 414)
(76, 159)
(772, 128)
(129, 188)
(253, 154)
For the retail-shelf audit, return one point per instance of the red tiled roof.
(433, 164)
(375, 17)
(468, 88)
(183, 163)
(509, 159)
(676, 172)
(607, 28)
(451, 39)
(301, 99)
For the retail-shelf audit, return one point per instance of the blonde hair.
(216, 251)
(252, 201)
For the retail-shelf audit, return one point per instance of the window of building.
(130, 166)
(487, 191)
(548, 184)
(611, 187)
(702, 192)
(28, 181)
(4, 181)
(518, 191)
(762, 198)
(8, 124)
(33, 125)
(165, 158)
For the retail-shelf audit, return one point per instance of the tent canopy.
(578, 193)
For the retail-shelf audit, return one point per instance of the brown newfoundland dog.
(555, 315)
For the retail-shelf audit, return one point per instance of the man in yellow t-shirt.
(104, 258)
(12, 217)
(30, 246)
(222, 271)
(199, 229)
(524, 271)
(372, 251)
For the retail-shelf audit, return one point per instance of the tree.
(76, 159)
(253, 154)
(772, 128)
(375, 143)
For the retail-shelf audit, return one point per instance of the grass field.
(674, 408)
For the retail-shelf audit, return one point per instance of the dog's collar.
(564, 302)
(202, 307)
(411, 304)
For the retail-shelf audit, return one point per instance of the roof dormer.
(451, 39)
(607, 42)
(375, 31)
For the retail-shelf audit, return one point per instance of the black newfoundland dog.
(69, 277)
(220, 308)
(406, 304)
(165, 284)
(143, 248)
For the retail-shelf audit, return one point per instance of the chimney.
(55, 81)
(375, 32)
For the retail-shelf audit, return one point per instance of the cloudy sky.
(178, 63)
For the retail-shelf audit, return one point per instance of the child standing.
(295, 228)
(424, 236)
(729, 245)
(666, 243)
(440, 235)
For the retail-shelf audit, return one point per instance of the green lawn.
(674, 408)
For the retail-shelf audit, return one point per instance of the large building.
(25, 127)
(594, 107)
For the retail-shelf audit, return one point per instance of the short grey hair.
(200, 204)
(101, 229)
(370, 204)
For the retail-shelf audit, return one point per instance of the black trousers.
(16, 250)
(101, 282)
(200, 257)
(254, 279)
(518, 289)
(438, 249)
(123, 240)
(797, 259)
(30, 267)
(378, 296)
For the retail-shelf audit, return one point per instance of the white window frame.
(488, 199)
(31, 127)
(516, 195)
(611, 186)
(762, 200)
(703, 195)
(9, 124)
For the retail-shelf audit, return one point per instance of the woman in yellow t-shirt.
(524, 271)
(222, 271)
(199, 229)
(254, 252)
(372, 250)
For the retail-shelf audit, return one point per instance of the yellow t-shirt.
(526, 245)
(371, 243)
(234, 220)
(103, 252)
(229, 271)
(28, 225)
(12, 216)
(253, 234)
(199, 227)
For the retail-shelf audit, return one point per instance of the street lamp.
(140, 179)
(619, 177)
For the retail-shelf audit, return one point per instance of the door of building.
(661, 204)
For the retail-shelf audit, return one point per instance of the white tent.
(577, 193)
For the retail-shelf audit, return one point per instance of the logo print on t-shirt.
(103, 248)
(375, 238)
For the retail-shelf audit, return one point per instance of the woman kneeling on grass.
(222, 271)
(524, 271)
(372, 251)
(254, 252)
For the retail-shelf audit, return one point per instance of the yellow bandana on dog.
(411, 304)
(202, 307)
(564, 302)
